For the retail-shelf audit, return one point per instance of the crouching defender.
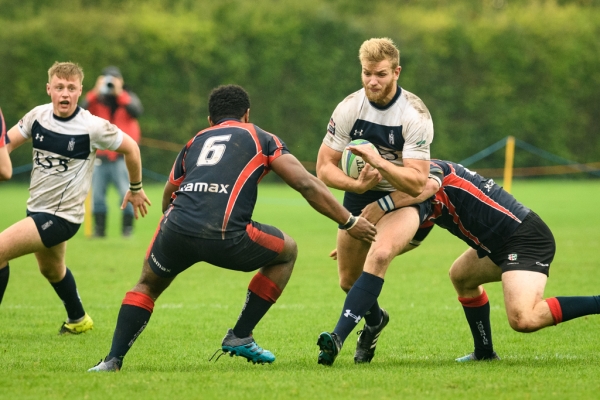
(208, 204)
(509, 243)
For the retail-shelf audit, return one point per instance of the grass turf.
(415, 356)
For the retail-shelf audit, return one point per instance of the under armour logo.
(358, 133)
(357, 318)
(39, 137)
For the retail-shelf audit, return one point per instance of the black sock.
(373, 316)
(578, 306)
(130, 323)
(67, 291)
(254, 309)
(478, 317)
(4, 274)
(359, 300)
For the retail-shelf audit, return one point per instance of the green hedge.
(527, 69)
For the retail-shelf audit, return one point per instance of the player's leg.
(467, 274)
(99, 187)
(15, 241)
(526, 309)
(138, 304)
(394, 232)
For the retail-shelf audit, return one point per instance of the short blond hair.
(65, 70)
(379, 49)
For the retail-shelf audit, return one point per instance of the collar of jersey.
(70, 117)
(388, 105)
(228, 119)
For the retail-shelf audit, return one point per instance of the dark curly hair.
(227, 101)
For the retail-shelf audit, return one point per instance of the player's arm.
(167, 195)
(15, 139)
(374, 211)
(320, 198)
(5, 164)
(135, 195)
(410, 179)
(328, 171)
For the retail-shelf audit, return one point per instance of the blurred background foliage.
(486, 69)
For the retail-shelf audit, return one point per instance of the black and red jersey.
(217, 172)
(473, 208)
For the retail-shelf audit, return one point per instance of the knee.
(53, 273)
(380, 257)
(523, 323)
(346, 284)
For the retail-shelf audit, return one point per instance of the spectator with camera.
(112, 100)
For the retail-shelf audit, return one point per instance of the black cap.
(112, 71)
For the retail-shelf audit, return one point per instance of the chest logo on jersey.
(391, 138)
(71, 145)
(489, 185)
(39, 137)
(358, 133)
(205, 187)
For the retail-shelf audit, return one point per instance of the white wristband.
(386, 203)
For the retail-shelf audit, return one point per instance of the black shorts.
(355, 203)
(422, 233)
(530, 248)
(52, 229)
(171, 252)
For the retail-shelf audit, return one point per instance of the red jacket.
(121, 118)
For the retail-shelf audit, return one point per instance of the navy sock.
(130, 323)
(254, 309)
(373, 316)
(477, 311)
(4, 274)
(359, 300)
(578, 306)
(67, 291)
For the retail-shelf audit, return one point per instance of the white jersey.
(401, 129)
(64, 151)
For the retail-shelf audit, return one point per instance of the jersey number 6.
(212, 151)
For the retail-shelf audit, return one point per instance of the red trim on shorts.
(478, 301)
(555, 310)
(154, 237)
(271, 242)
(264, 288)
(138, 299)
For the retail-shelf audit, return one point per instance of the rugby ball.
(351, 163)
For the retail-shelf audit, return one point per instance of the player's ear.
(246, 116)
(210, 121)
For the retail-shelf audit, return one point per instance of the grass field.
(415, 356)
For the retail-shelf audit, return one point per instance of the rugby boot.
(367, 339)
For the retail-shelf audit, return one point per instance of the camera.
(108, 87)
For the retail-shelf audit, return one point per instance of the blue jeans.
(105, 173)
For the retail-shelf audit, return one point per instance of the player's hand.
(333, 254)
(363, 230)
(372, 212)
(369, 178)
(138, 200)
(367, 153)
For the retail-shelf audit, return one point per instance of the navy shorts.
(530, 248)
(171, 252)
(52, 229)
(355, 203)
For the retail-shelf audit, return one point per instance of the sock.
(262, 294)
(477, 311)
(373, 316)
(564, 309)
(4, 274)
(359, 300)
(67, 291)
(134, 315)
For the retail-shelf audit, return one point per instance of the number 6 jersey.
(217, 172)
(64, 150)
